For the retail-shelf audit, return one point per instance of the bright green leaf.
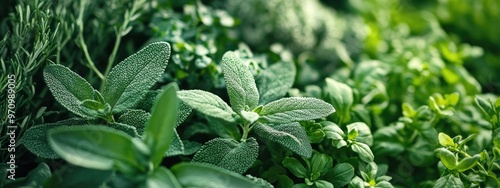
(320, 163)
(293, 109)
(295, 167)
(340, 96)
(340, 175)
(449, 181)
(445, 140)
(448, 159)
(291, 136)
(467, 163)
(364, 151)
(243, 93)
(364, 134)
(135, 118)
(208, 104)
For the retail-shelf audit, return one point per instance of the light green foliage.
(128, 81)
(243, 94)
(208, 104)
(274, 82)
(293, 109)
(340, 175)
(160, 127)
(291, 136)
(68, 88)
(341, 97)
(229, 154)
(364, 151)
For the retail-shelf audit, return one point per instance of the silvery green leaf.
(191, 147)
(364, 132)
(130, 80)
(229, 154)
(341, 97)
(208, 104)
(176, 147)
(294, 109)
(130, 130)
(135, 118)
(146, 103)
(249, 116)
(274, 82)
(364, 151)
(68, 88)
(243, 93)
(291, 136)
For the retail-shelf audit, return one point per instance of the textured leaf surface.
(239, 82)
(130, 80)
(229, 154)
(449, 181)
(176, 147)
(291, 136)
(94, 146)
(340, 96)
(274, 82)
(146, 103)
(68, 88)
(208, 104)
(135, 118)
(130, 130)
(364, 132)
(340, 175)
(209, 176)
(160, 127)
(294, 109)
(35, 138)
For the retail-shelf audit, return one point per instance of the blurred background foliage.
(392, 54)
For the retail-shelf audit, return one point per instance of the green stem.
(81, 39)
(246, 130)
(111, 59)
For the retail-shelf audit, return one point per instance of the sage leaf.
(98, 147)
(209, 176)
(229, 154)
(130, 80)
(291, 136)
(135, 118)
(68, 88)
(243, 93)
(274, 82)
(340, 175)
(207, 104)
(130, 130)
(176, 147)
(294, 109)
(160, 127)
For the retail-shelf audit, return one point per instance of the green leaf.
(340, 96)
(229, 154)
(130, 130)
(130, 80)
(35, 138)
(320, 163)
(291, 136)
(176, 147)
(161, 178)
(208, 176)
(98, 147)
(135, 118)
(485, 106)
(384, 184)
(68, 88)
(78, 177)
(35, 177)
(274, 82)
(364, 151)
(208, 104)
(294, 109)
(249, 116)
(352, 134)
(445, 140)
(243, 93)
(92, 104)
(160, 127)
(295, 167)
(340, 175)
(449, 181)
(447, 158)
(323, 184)
(467, 163)
(333, 132)
(364, 132)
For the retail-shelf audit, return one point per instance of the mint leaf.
(130, 80)
(291, 136)
(229, 154)
(243, 93)
(294, 109)
(68, 88)
(208, 104)
(274, 82)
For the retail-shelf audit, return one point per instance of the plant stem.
(246, 129)
(81, 40)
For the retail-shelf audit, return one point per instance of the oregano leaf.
(207, 104)
(291, 136)
(130, 80)
(274, 82)
(229, 154)
(243, 93)
(294, 109)
(68, 88)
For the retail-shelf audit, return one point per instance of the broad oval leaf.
(130, 80)
(274, 82)
(341, 97)
(98, 147)
(468, 163)
(340, 175)
(229, 154)
(291, 136)
(240, 83)
(209, 176)
(364, 132)
(208, 104)
(295, 166)
(294, 109)
(445, 140)
(447, 158)
(449, 181)
(68, 88)
(160, 127)
(364, 151)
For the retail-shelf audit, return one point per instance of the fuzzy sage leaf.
(130, 80)
(208, 104)
(274, 82)
(291, 136)
(294, 109)
(68, 88)
(243, 94)
(229, 154)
